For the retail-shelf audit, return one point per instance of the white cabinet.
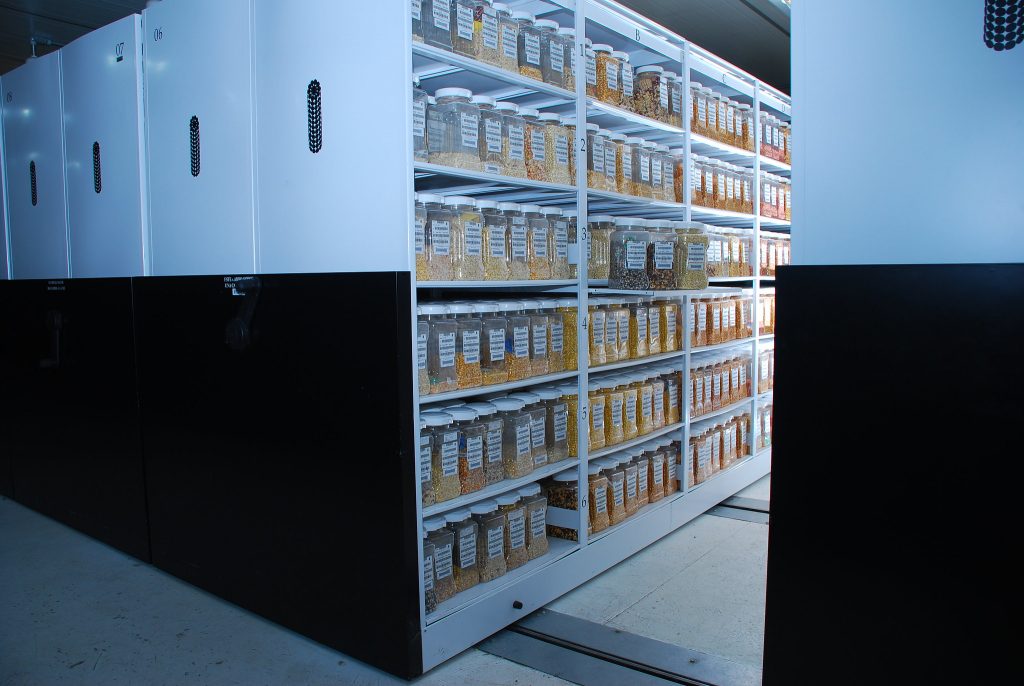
(34, 170)
(333, 96)
(199, 115)
(104, 151)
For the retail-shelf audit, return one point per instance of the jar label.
(521, 341)
(730, 121)
(467, 547)
(562, 150)
(475, 452)
(464, 22)
(767, 423)
(704, 456)
(717, 385)
(658, 467)
(597, 155)
(538, 522)
(722, 107)
(712, 116)
(696, 261)
(446, 350)
(627, 81)
(659, 397)
(420, 238)
(673, 394)
(442, 561)
(496, 241)
(421, 351)
(728, 188)
(671, 470)
(609, 160)
(743, 374)
(716, 448)
(709, 181)
(419, 118)
(677, 100)
(537, 430)
(641, 477)
(617, 491)
(597, 415)
(428, 573)
(630, 403)
(440, 238)
(616, 413)
(496, 340)
(562, 241)
(663, 93)
(663, 256)
(557, 52)
(611, 330)
(523, 440)
(623, 331)
(424, 459)
(591, 71)
(450, 454)
(627, 164)
(442, 16)
(471, 347)
(496, 542)
(732, 317)
(492, 135)
(601, 500)
(692, 307)
(631, 483)
(516, 142)
(557, 337)
(537, 143)
(636, 255)
(654, 327)
(641, 324)
(532, 48)
(539, 237)
(645, 167)
(702, 111)
(494, 445)
(561, 422)
(611, 76)
(707, 388)
(490, 29)
(516, 529)
(417, 9)
(646, 404)
(518, 242)
(508, 42)
(775, 138)
(655, 173)
(720, 193)
(470, 130)
(699, 390)
(540, 341)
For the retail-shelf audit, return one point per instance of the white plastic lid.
(620, 55)
(453, 200)
(549, 116)
(510, 207)
(600, 218)
(462, 413)
(546, 24)
(694, 84)
(456, 92)
(529, 491)
(461, 308)
(705, 90)
(483, 409)
(431, 100)
(593, 127)
(523, 15)
(594, 385)
(661, 147)
(547, 393)
(568, 389)
(649, 145)
(630, 221)
(593, 468)
(602, 47)
(507, 499)
(617, 137)
(509, 306)
(679, 152)
(567, 302)
(508, 404)
(605, 132)
(567, 31)
(430, 525)
(506, 107)
(501, 7)
(484, 507)
(652, 69)
(588, 42)
(567, 120)
(482, 100)
(530, 209)
(430, 198)
(485, 307)
(551, 211)
(526, 397)
(456, 516)
(634, 140)
(486, 204)
(547, 303)
(570, 475)
(436, 418)
(743, 106)
(528, 112)
(623, 457)
(432, 308)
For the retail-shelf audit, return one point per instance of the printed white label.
(421, 351)
(467, 547)
(540, 341)
(490, 29)
(417, 9)
(673, 394)
(743, 375)
(495, 542)
(532, 43)
(474, 239)
(646, 404)
(471, 347)
(470, 130)
(677, 100)
(663, 255)
(521, 341)
(562, 150)
(707, 388)
(516, 142)
(443, 561)
(496, 241)
(516, 529)
(537, 430)
(523, 440)
(591, 70)
(492, 135)
(699, 388)
(616, 412)
(716, 318)
(716, 448)
(617, 491)
(597, 330)
(663, 93)
(627, 80)
(537, 143)
(442, 16)
(627, 163)
(671, 470)
(464, 22)
(636, 255)
(494, 444)
(721, 185)
(631, 483)
(496, 344)
(611, 330)
(428, 573)
(730, 121)
(601, 500)
(557, 337)
(538, 522)
(702, 111)
(539, 241)
(630, 404)
(658, 467)
(641, 323)
(611, 77)
(562, 240)
(656, 173)
(722, 107)
(712, 116)
(518, 242)
(561, 422)
(729, 187)
(654, 326)
(450, 454)
(419, 118)
(641, 476)
(716, 391)
(645, 167)
(440, 238)
(446, 350)
(420, 236)
(623, 330)
(609, 160)
(696, 256)
(425, 459)
(702, 319)
(597, 155)
(659, 398)
(557, 55)
(508, 42)
(776, 138)
(709, 182)
(597, 415)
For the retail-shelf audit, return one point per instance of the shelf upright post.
(583, 278)
(756, 259)
(687, 138)
(684, 397)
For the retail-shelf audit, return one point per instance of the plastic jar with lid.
(570, 394)
(731, 197)
(787, 142)
(624, 79)
(422, 339)
(516, 451)
(466, 239)
(461, 124)
(613, 160)
(629, 482)
(552, 52)
(441, 346)
(628, 255)
(493, 326)
(608, 88)
(429, 595)
(571, 218)
(436, 23)
(657, 401)
(638, 336)
(678, 98)
(611, 329)
(599, 233)
(538, 426)
(730, 120)
(539, 323)
(598, 353)
(556, 335)
(568, 122)
(536, 520)
(718, 180)
(597, 484)
(562, 492)
(490, 539)
(662, 167)
(464, 534)
(536, 145)
(743, 126)
(670, 328)
(656, 474)
(426, 482)
(517, 241)
(557, 146)
(485, 32)
(672, 111)
(645, 419)
(672, 457)
(653, 328)
(494, 241)
(718, 390)
(590, 68)
(529, 46)
(437, 238)
(420, 225)
(471, 448)
(722, 104)
(696, 389)
(616, 477)
(508, 38)
(443, 542)
(567, 36)
(618, 309)
(463, 35)
(636, 165)
(517, 340)
(623, 386)
(706, 117)
(490, 140)
(614, 411)
(444, 455)
(661, 250)
(487, 415)
(691, 255)
(597, 414)
(513, 140)
(538, 229)
(596, 178)
(673, 397)
(643, 466)
(467, 345)
(643, 174)
(764, 130)
(567, 307)
(514, 512)
(419, 121)
(555, 424)
(648, 85)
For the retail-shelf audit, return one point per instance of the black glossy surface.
(279, 455)
(69, 409)
(896, 461)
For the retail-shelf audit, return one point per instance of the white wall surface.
(908, 135)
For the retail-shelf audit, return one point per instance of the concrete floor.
(73, 611)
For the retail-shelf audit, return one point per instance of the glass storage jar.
(608, 89)
(422, 337)
(516, 451)
(467, 345)
(657, 401)
(628, 255)
(463, 35)
(490, 551)
(536, 145)
(552, 53)
(625, 79)
(599, 245)
(614, 411)
(590, 69)
(597, 414)
(440, 348)
(613, 154)
(508, 38)
(562, 492)
(656, 474)
(670, 329)
(493, 326)
(691, 255)
(417, 21)
(570, 395)
(517, 340)
(568, 37)
(426, 482)
(637, 343)
(569, 123)
(611, 330)
(494, 241)
(557, 145)
(672, 105)
(444, 447)
(529, 46)
(536, 520)
(487, 413)
(438, 238)
(643, 467)
(673, 404)
(567, 307)
(471, 448)
(558, 242)
(631, 166)
(744, 127)
(598, 352)
(538, 338)
(429, 596)
(518, 240)
(597, 485)
(515, 530)
(653, 329)
(661, 248)
(616, 489)
(648, 86)
(556, 336)
(420, 237)
(596, 178)
(466, 239)
(620, 312)
(730, 122)
(485, 32)
(537, 255)
(513, 140)
(556, 423)
(643, 169)
(666, 190)
(459, 119)
(629, 473)
(464, 532)
(444, 543)
(699, 108)
(419, 121)
(645, 423)
(723, 110)
(677, 99)
(623, 386)
(437, 24)
(490, 140)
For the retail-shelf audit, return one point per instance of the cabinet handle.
(314, 115)
(193, 135)
(97, 172)
(32, 182)
(518, 605)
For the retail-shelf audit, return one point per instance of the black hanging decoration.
(32, 180)
(193, 131)
(314, 112)
(97, 173)
(1004, 24)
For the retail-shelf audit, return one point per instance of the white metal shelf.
(738, 463)
(600, 112)
(766, 337)
(436, 398)
(620, 203)
(726, 218)
(722, 346)
(703, 145)
(609, 450)
(539, 284)
(597, 289)
(494, 490)
(768, 164)
(730, 279)
(640, 514)
(723, 410)
(557, 549)
(778, 223)
(640, 361)
(499, 182)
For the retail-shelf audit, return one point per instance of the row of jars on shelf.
(776, 197)
(718, 117)
(618, 485)
(764, 424)
(458, 238)
(766, 314)
(624, 407)
(776, 138)
(717, 319)
(473, 546)
(463, 345)
(766, 366)
(775, 252)
(718, 381)
(633, 166)
(716, 444)
(632, 327)
(721, 185)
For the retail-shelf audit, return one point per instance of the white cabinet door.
(333, 115)
(34, 166)
(199, 114)
(104, 143)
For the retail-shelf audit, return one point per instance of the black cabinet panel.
(896, 460)
(279, 450)
(69, 406)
